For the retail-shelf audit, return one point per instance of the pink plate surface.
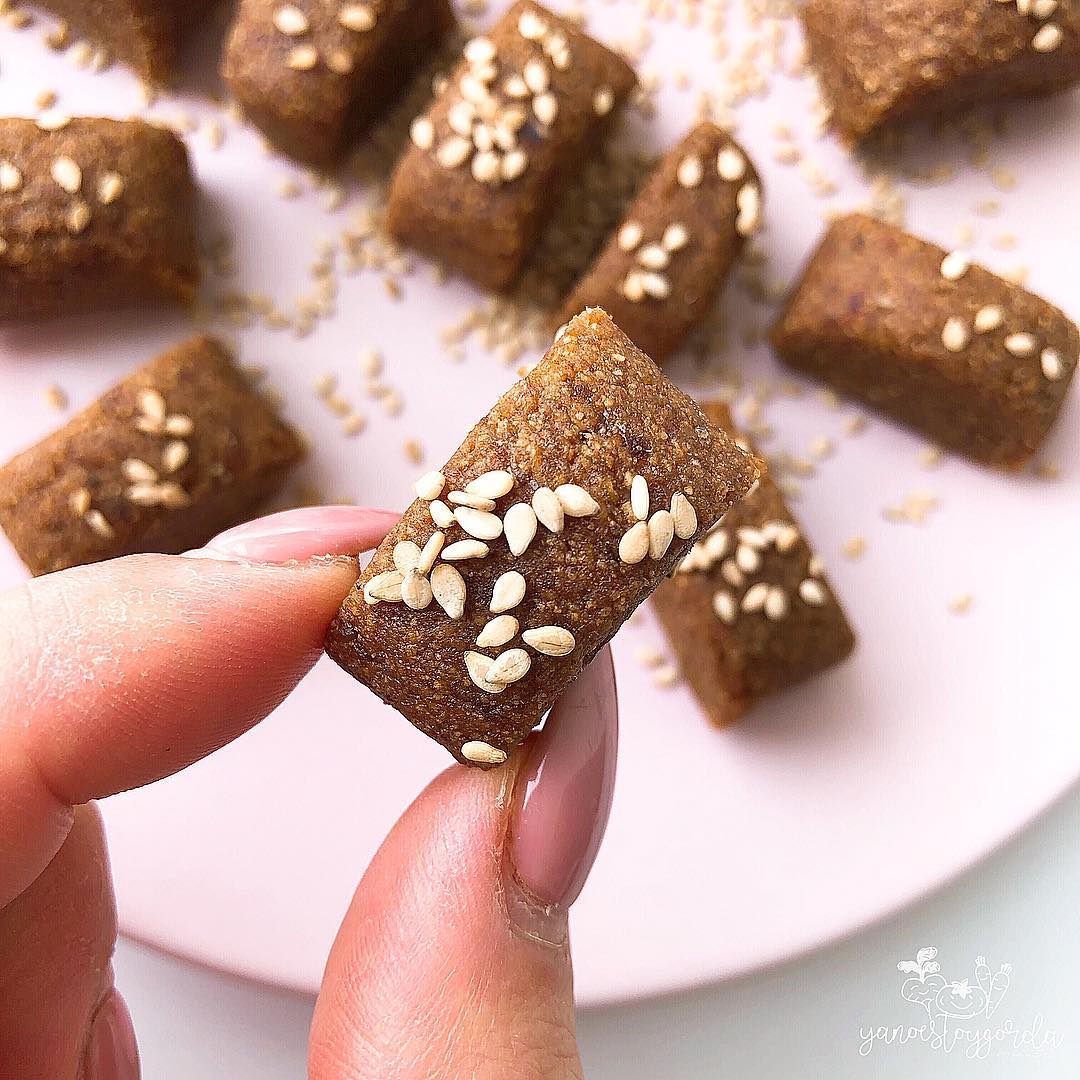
(834, 804)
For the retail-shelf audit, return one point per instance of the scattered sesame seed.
(676, 237)
(634, 545)
(302, 58)
(110, 187)
(1021, 344)
(661, 533)
(99, 524)
(67, 174)
(508, 591)
(812, 592)
(730, 164)
(684, 516)
(724, 606)
(478, 665)
(639, 497)
(416, 590)
(481, 752)
(479, 523)
(549, 511)
(630, 235)
(422, 133)
(666, 677)
(55, 397)
(79, 501)
(748, 202)
(430, 552)
(690, 171)
(497, 632)
(509, 667)
(429, 486)
(854, 548)
(1052, 363)
(654, 257)
(406, 555)
(441, 514)
(955, 334)
(989, 318)
(954, 266)
(576, 501)
(550, 640)
(1047, 38)
(603, 101)
(960, 605)
(755, 597)
(10, 177)
(491, 485)
(175, 456)
(448, 589)
(546, 108)
(519, 525)
(290, 20)
(476, 502)
(357, 17)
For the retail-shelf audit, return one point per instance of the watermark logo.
(962, 1015)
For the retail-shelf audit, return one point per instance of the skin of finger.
(56, 943)
(116, 675)
(426, 977)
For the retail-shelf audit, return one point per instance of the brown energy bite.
(515, 122)
(880, 63)
(93, 214)
(144, 34)
(178, 451)
(976, 363)
(750, 611)
(563, 509)
(312, 74)
(664, 266)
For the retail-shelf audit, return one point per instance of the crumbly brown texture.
(872, 316)
(97, 214)
(595, 412)
(486, 226)
(144, 34)
(732, 657)
(663, 267)
(203, 462)
(314, 90)
(897, 60)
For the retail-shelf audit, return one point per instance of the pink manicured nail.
(304, 534)
(563, 793)
(112, 1053)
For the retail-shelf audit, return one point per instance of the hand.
(453, 960)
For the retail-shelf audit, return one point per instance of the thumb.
(454, 957)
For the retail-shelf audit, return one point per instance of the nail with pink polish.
(563, 793)
(111, 1052)
(297, 535)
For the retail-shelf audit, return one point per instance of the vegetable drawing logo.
(961, 1000)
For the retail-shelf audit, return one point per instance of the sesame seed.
(78, 217)
(787, 536)
(661, 533)
(955, 334)
(10, 177)
(55, 397)
(480, 50)
(53, 121)
(665, 677)
(498, 632)
(629, 236)
(535, 74)
(110, 187)
(812, 592)
(486, 167)
(550, 640)
(99, 524)
(1053, 366)
(302, 58)
(513, 165)
(654, 257)
(546, 108)
(730, 572)
(639, 497)
(441, 514)
(356, 17)
(549, 511)
(175, 456)
(151, 404)
(988, 318)
(406, 555)
(747, 559)
(690, 172)
(290, 20)
(1022, 344)
(491, 485)
(1047, 38)
(724, 606)
(656, 285)
(755, 597)
(173, 496)
(960, 605)
(634, 545)
(483, 753)
(576, 501)
(776, 603)
(684, 516)
(853, 549)
(448, 589)
(416, 590)
(954, 266)
(179, 425)
(715, 545)
(465, 549)
(531, 26)
(422, 133)
(730, 164)
(430, 552)
(479, 523)
(519, 524)
(675, 237)
(748, 203)
(453, 152)
(509, 667)
(603, 101)
(477, 502)
(633, 287)
(79, 501)
(429, 486)
(478, 665)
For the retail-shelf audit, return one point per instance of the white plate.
(835, 803)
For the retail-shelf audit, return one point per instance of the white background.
(799, 1021)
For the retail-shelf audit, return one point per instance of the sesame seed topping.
(955, 334)
(483, 753)
(1053, 366)
(289, 19)
(479, 523)
(491, 485)
(954, 266)
(508, 592)
(630, 235)
(656, 285)
(639, 497)
(724, 606)
(175, 456)
(441, 514)
(53, 121)
(357, 17)
(465, 549)
(603, 101)
(79, 501)
(812, 592)
(654, 257)
(99, 524)
(519, 524)
(755, 597)
(675, 237)
(430, 552)
(546, 108)
(138, 471)
(748, 204)
(340, 62)
(747, 559)
(661, 533)
(576, 501)
(549, 511)
(480, 50)
(416, 590)
(478, 665)
(151, 404)
(1022, 344)
(731, 573)
(1047, 38)
(453, 152)
(776, 603)
(422, 133)
(485, 167)
(633, 287)
(78, 217)
(513, 165)
(497, 632)
(730, 164)
(67, 174)
(477, 502)
(531, 26)
(816, 566)
(10, 177)
(429, 486)
(690, 171)
(634, 545)
(509, 667)
(550, 640)
(302, 58)
(406, 555)
(988, 318)
(448, 589)
(684, 516)
(110, 187)
(535, 74)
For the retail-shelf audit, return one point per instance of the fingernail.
(112, 1053)
(303, 534)
(563, 794)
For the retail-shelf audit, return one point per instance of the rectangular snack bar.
(144, 34)
(514, 123)
(879, 64)
(750, 611)
(178, 451)
(977, 364)
(93, 214)
(660, 272)
(563, 509)
(312, 74)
